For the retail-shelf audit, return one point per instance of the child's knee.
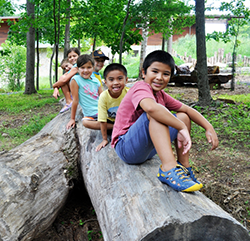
(184, 118)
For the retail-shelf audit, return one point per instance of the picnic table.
(215, 78)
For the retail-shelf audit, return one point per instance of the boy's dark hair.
(83, 59)
(76, 50)
(115, 66)
(159, 56)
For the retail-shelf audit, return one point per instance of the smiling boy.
(145, 126)
(115, 76)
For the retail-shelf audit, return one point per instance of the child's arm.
(65, 78)
(74, 90)
(200, 120)
(161, 114)
(104, 136)
(100, 90)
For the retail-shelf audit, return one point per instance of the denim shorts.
(135, 146)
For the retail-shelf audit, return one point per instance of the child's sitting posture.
(63, 82)
(85, 90)
(115, 76)
(145, 126)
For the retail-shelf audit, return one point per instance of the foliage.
(13, 65)
(6, 8)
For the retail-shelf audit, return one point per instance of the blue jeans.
(136, 146)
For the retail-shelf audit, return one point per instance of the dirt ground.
(225, 175)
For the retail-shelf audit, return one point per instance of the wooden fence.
(219, 57)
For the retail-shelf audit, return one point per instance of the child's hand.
(184, 140)
(101, 145)
(56, 93)
(70, 124)
(212, 138)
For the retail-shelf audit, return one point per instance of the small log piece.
(132, 204)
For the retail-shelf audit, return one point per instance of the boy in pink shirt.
(145, 126)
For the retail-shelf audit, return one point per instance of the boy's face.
(72, 57)
(115, 81)
(99, 63)
(157, 76)
(66, 66)
(86, 70)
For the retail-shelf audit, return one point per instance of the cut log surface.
(35, 180)
(132, 204)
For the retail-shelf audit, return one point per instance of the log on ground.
(35, 179)
(132, 204)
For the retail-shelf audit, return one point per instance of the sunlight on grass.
(30, 114)
(237, 98)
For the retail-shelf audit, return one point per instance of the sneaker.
(66, 107)
(178, 179)
(191, 174)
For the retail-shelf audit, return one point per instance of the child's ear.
(143, 74)
(126, 81)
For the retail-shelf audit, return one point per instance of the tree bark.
(30, 54)
(132, 204)
(67, 31)
(143, 47)
(205, 98)
(35, 179)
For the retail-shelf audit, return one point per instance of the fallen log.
(132, 204)
(35, 179)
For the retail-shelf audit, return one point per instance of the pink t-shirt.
(129, 110)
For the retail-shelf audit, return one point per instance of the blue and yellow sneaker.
(178, 179)
(191, 174)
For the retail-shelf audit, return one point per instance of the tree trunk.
(30, 54)
(67, 31)
(35, 179)
(132, 204)
(169, 44)
(50, 66)
(123, 31)
(143, 48)
(37, 59)
(205, 98)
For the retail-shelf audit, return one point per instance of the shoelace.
(183, 172)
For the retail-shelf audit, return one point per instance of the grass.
(33, 112)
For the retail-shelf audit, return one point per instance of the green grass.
(30, 110)
(232, 124)
(15, 103)
(238, 98)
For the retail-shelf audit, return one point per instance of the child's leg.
(136, 146)
(95, 125)
(66, 91)
(183, 159)
(160, 137)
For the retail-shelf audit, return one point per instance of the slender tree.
(67, 30)
(30, 56)
(205, 98)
